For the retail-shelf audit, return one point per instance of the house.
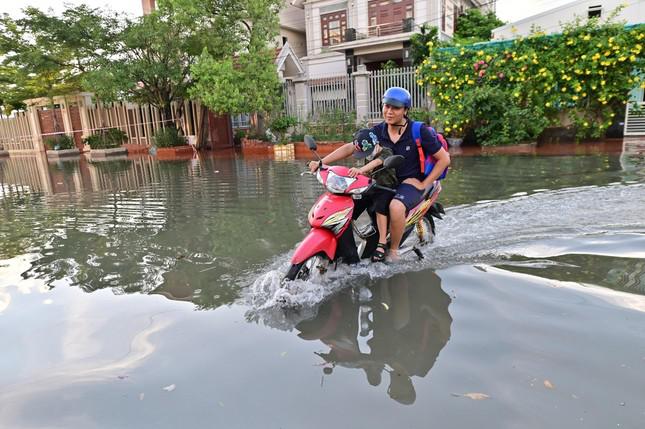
(341, 35)
(551, 20)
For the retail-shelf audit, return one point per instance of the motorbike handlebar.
(384, 188)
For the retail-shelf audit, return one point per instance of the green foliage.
(389, 65)
(248, 80)
(43, 55)
(508, 92)
(419, 43)
(169, 137)
(153, 64)
(474, 26)
(60, 142)
(280, 125)
(335, 125)
(106, 139)
(421, 115)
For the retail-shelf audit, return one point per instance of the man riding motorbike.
(395, 133)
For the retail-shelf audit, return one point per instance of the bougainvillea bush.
(510, 91)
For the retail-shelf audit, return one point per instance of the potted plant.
(168, 142)
(278, 130)
(107, 143)
(61, 145)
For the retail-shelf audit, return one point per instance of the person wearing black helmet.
(396, 134)
(366, 146)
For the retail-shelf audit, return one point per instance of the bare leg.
(381, 222)
(397, 224)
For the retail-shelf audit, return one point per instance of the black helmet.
(364, 143)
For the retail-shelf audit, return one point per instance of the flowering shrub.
(509, 91)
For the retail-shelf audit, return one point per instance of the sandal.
(379, 253)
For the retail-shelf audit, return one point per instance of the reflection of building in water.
(632, 158)
(396, 327)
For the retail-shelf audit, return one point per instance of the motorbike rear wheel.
(310, 269)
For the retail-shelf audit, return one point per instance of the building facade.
(341, 35)
(551, 20)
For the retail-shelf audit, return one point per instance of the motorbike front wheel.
(310, 269)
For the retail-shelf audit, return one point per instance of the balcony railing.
(404, 26)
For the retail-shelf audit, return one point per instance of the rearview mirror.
(310, 142)
(393, 161)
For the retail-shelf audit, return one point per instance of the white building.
(550, 21)
(340, 35)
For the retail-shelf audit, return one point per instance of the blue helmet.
(397, 97)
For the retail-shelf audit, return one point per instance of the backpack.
(427, 163)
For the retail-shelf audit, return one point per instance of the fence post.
(34, 128)
(362, 93)
(302, 98)
(84, 102)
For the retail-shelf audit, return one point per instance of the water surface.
(137, 293)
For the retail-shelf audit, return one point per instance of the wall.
(549, 21)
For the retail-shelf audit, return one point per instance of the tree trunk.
(202, 128)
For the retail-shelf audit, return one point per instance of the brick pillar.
(302, 98)
(84, 101)
(362, 93)
(67, 120)
(34, 127)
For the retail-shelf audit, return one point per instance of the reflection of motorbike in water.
(397, 326)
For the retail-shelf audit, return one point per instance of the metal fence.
(337, 93)
(634, 119)
(331, 94)
(140, 122)
(15, 133)
(405, 77)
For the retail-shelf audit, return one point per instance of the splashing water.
(488, 232)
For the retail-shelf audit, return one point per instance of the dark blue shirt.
(408, 148)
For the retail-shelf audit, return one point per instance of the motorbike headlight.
(337, 184)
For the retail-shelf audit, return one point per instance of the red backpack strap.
(416, 135)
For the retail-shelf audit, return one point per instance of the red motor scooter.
(331, 216)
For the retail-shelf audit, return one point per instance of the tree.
(474, 26)
(152, 65)
(419, 48)
(43, 55)
(235, 72)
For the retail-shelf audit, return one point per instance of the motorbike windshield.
(338, 184)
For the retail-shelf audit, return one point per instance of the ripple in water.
(487, 232)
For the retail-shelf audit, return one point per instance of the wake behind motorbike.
(332, 216)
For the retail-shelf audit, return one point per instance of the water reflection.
(394, 328)
(624, 274)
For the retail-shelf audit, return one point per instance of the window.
(333, 27)
(388, 16)
(594, 11)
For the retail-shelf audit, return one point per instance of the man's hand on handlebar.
(314, 165)
(353, 172)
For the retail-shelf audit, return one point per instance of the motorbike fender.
(318, 240)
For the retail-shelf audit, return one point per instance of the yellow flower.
(574, 98)
(602, 83)
(547, 104)
(583, 56)
(593, 87)
(584, 94)
(587, 37)
(480, 53)
(586, 124)
(517, 94)
(447, 129)
(632, 58)
(564, 89)
(621, 59)
(433, 67)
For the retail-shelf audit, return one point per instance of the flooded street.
(138, 293)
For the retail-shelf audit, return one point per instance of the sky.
(507, 10)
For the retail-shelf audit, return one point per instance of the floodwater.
(140, 293)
